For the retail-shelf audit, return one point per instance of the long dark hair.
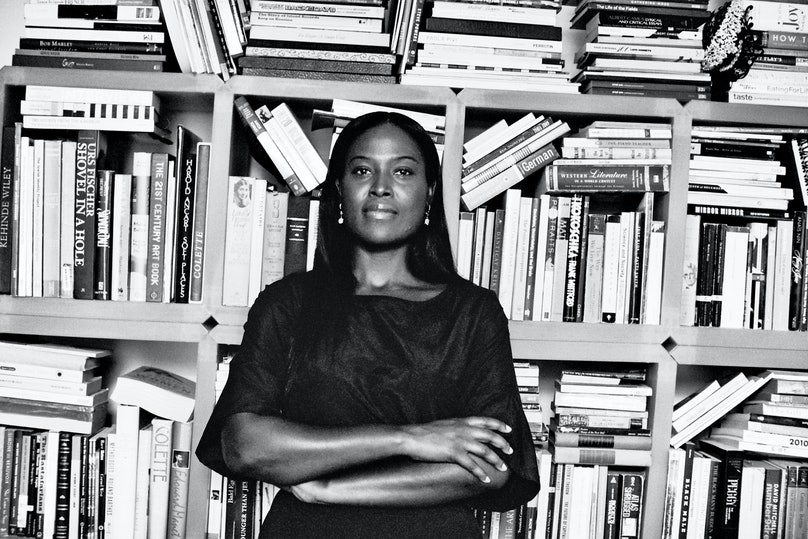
(429, 256)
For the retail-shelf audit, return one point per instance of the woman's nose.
(381, 184)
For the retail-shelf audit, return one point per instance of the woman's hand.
(456, 440)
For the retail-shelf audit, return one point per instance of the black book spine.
(35, 458)
(62, 525)
(797, 262)
(493, 28)
(297, 229)
(742, 213)
(637, 270)
(186, 192)
(611, 528)
(84, 487)
(581, 285)
(317, 75)
(718, 274)
(87, 155)
(703, 291)
(573, 251)
(6, 207)
(103, 235)
(646, 18)
(306, 64)
(90, 46)
(101, 501)
(67, 61)
(718, 149)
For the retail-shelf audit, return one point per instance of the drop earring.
(426, 215)
(341, 219)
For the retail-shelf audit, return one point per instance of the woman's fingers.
(488, 423)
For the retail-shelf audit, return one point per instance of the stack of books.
(527, 378)
(329, 40)
(504, 155)
(601, 417)
(206, 35)
(778, 76)
(87, 230)
(340, 40)
(280, 134)
(736, 477)
(67, 35)
(745, 231)
(642, 49)
(511, 46)
(52, 387)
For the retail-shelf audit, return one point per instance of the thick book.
(66, 61)
(102, 279)
(318, 75)
(187, 176)
(311, 64)
(7, 196)
(615, 441)
(34, 92)
(52, 355)
(89, 154)
(158, 391)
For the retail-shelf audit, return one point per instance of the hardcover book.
(158, 391)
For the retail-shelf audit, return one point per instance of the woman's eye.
(404, 172)
(361, 171)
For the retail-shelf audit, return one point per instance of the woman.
(378, 390)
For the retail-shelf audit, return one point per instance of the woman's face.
(243, 193)
(384, 189)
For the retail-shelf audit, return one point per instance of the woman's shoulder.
(473, 296)
(288, 292)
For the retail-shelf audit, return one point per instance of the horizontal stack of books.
(52, 387)
(329, 40)
(84, 230)
(745, 231)
(778, 76)
(77, 36)
(601, 418)
(504, 155)
(743, 476)
(527, 378)
(646, 49)
(514, 45)
(339, 40)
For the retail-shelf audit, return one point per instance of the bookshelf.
(189, 337)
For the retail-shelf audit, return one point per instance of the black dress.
(376, 360)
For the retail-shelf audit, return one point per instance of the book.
(563, 177)
(144, 452)
(158, 391)
(186, 174)
(139, 235)
(238, 237)
(281, 130)
(102, 274)
(160, 476)
(616, 457)
(158, 193)
(121, 236)
(297, 227)
(616, 441)
(202, 168)
(179, 478)
(89, 153)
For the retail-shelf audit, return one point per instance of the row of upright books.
(745, 231)
(90, 224)
(629, 48)
(745, 475)
(66, 472)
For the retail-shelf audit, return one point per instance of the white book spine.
(67, 223)
(771, 250)
(369, 39)
(541, 248)
(465, 237)
(488, 249)
(159, 477)
(611, 262)
(72, 34)
(34, 92)
(478, 245)
(520, 274)
(490, 41)
(121, 239)
(37, 217)
(100, 124)
(127, 433)
(734, 277)
(169, 247)
(237, 244)
(144, 451)
(51, 218)
(560, 260)
(301, 142)
(498, 139)
(782, 271)
(509, 238)
(257, 239)
(624, 265)
(653, 293)
(287, 148)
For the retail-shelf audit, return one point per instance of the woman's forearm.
(283, 453)
(399, 484)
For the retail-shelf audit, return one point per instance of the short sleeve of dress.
(258, 371)
(490, 390)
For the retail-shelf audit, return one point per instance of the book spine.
(63, 487)
(6, 208)
(496, 250)
(101, 490)
(611, 529)
(799, 241)
(609, 178)
(87, 155)
(157, 227)
(493, 28)
(484, 161)
(533, 240)
(549, 258)
(121, 236)
(102, 274)
(633, 485)
(159, 477)
(183, 237)
(178, 488)
(574, 247)
(297, 226)
(67, 61)
(295, 134)
(200, 221)
(139, 246)
(84, 485)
